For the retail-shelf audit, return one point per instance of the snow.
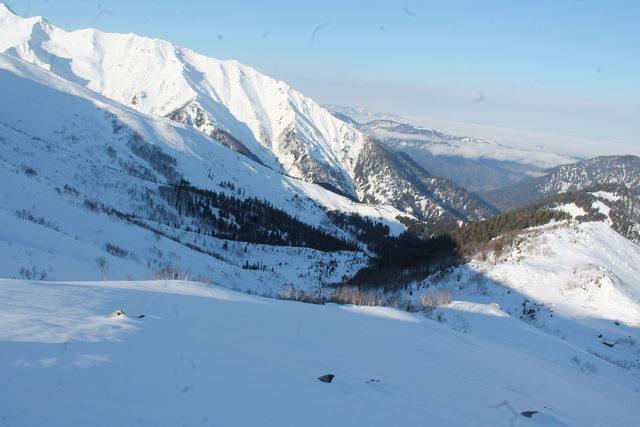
(157, 78)
(203, 355)
(573, 281)
(607, 196)
(572, 209)
(472, 307)
(603, 209)
(52, 122)
(551, 324)
(192, 147)
(257, 115)
(72, 251)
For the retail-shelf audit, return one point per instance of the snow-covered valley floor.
(203, 355)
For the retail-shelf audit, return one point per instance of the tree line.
(249, 220)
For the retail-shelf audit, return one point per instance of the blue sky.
(567, 67)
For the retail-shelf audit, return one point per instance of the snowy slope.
(207, 356)
(254, 114)
(158, 78)
(64, 147)
(57, 238)
(614, 204)
(66, 120)
(572, 280)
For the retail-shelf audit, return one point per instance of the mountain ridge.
(616, 169)
(253, 114)
(476, 164)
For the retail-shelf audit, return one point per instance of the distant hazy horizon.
(565, 68)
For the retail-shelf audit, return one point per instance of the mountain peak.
(6, 10)
(252, 113)
(9, 18)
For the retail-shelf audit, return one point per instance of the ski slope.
(203, 355)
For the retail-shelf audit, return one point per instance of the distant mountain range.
(624, 170)
(478, 165)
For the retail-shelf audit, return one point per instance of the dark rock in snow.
(327, 378)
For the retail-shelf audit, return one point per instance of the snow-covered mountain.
(577, 176)
(95, 189)
(573, 280)
(249, 112)
(533, 330)
(475, 164)
(614, 204)
(538, 149)
(567, 265)
(170, 176)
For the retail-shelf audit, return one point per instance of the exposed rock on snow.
(327, 378)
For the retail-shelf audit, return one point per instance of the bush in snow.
(103, 265)
(169, 272)
(355, 296)
(91, 205)
(29, 171)
(291, 293)
(204, 279)
(154, 156)
(27, 215)
(587, 367)
(434, 299)
(116, 250)
(628, 341)
(32, 273)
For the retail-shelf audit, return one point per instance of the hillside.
(262, 118)
(540, 149)
(186, 241)
(92, 180)
(624, 170)
(614, 204)
(473, 163)
(571, 280)
(234, 359)
(425, 250)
